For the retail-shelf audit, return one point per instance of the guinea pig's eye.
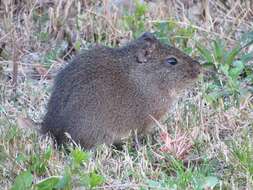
(171, 61)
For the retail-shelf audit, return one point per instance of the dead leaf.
(43, 72)
(179, 146)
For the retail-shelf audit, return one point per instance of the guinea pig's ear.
(142, 56)
(148, 36)
(149, 41)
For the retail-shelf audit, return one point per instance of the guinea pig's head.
(164, 67)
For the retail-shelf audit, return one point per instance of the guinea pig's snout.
(195, 69)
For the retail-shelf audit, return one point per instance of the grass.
(206, 141)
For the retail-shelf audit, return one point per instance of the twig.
(106, 19)
(6, 35)
(15, 63)
(194, 26)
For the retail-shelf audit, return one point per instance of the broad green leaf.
(1, 109)
(208, 65)
(153, 183)
(247, 37)
(48, 153)
(205, 53)
(65, 181)
(188, 50)
(38, 164)
(233, 85)
(23, 181)
(21, 158)
(172, 24)
(213, 87)
(238, 64)
(79, 156)
(210, 182)
(218, 50)
(236, 71)
(78, 45)
(231, 56)
(247, 57)
(210, 99)
(141, 9)
(96, 179)
(48, 183)
(224, 69)
(250, 79)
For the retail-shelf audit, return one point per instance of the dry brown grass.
(38, 37)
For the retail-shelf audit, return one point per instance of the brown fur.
(104, 93)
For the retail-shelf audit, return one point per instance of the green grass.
(210, 129)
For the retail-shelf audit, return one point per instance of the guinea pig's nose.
(196, 68)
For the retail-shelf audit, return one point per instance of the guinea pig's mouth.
(195, 74)
(189, 82)
(196, 70)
